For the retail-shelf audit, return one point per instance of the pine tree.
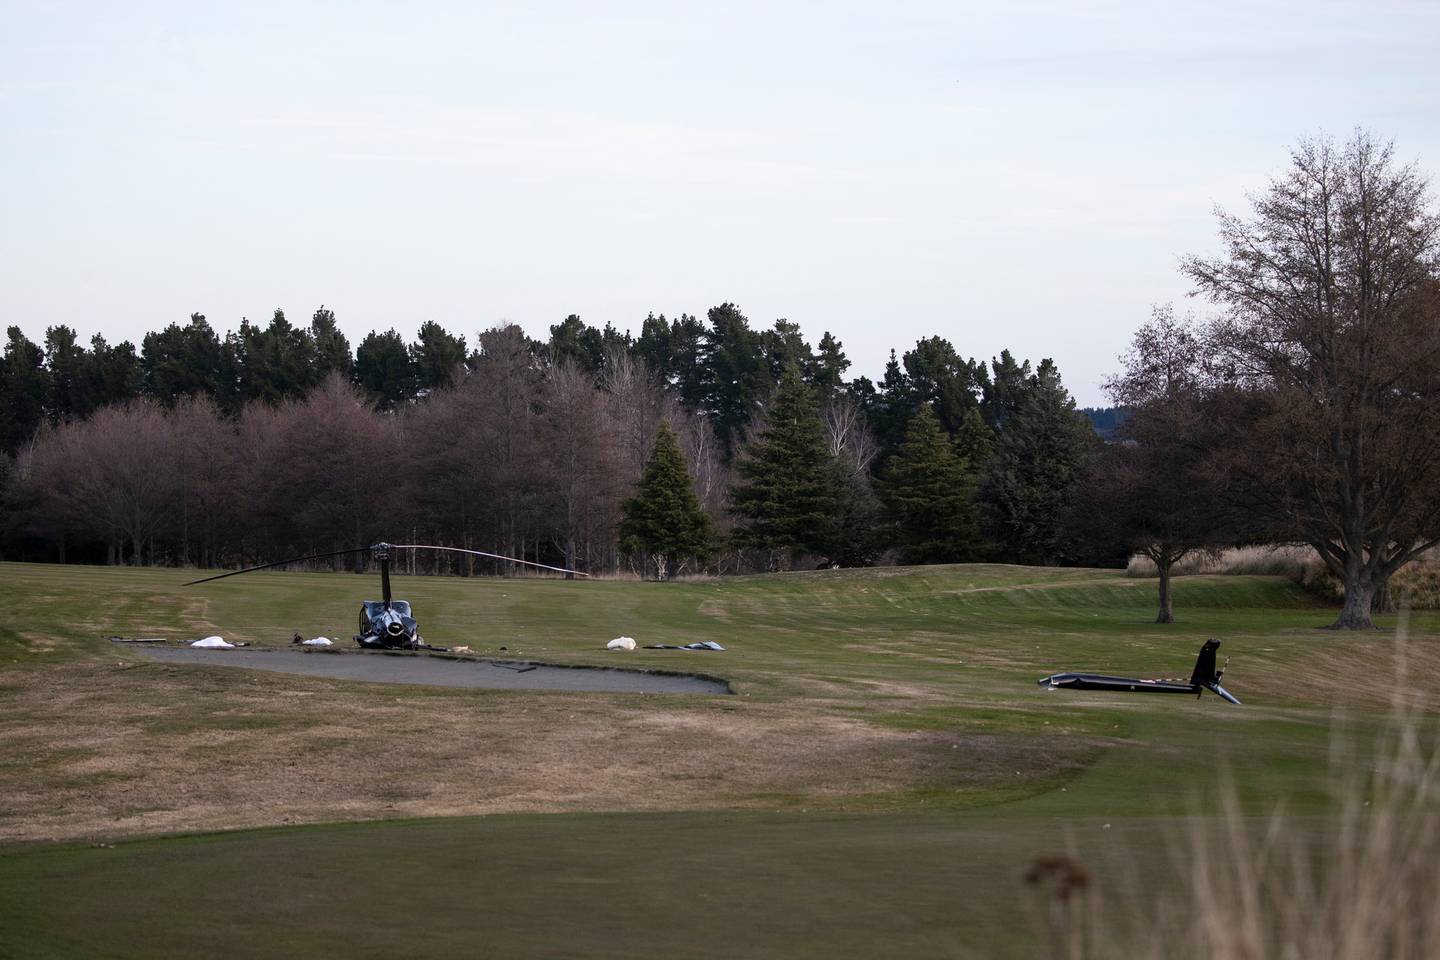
(830, 366)
(278, 362)
(974, 440)
(890, 409)
(936, 374)
(735, 376)
(183, 361)
(1039, 454)
(435, 356)
(332, 349)
(783, 345)
(1004, 392)
(22, 390)
(856, 533)
(663, 520)
(384, 369)
(929, 491)
(113, 374)
(784, 497)
(65, 362)
(573, 340)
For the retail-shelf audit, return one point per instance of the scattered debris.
(621, 643)
(137, 640)
(459, 649)
(213, 643)
(697, 645)
(317, 642)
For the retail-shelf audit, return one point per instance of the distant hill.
(1105, 420)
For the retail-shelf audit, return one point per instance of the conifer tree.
(113, 374)
(1040, 453)
(183, 361)
(663, 522)
(435, 356)
(974, 440)
(384, 369)
(929, 491)
(830, 366)
(784, 497)
(22, 389)
(734, 374)
(332, 349)
(856, 533)
(65, 362)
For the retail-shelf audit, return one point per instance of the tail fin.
(1204, 674)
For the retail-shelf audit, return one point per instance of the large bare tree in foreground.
(1330, 341)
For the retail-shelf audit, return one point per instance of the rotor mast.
(381, 552)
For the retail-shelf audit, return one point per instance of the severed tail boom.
(1204, 677)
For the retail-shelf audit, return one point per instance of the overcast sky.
(1006, 174)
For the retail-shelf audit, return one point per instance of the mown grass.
(941, 658)
(788, 884)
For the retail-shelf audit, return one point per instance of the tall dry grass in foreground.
(1361, 882)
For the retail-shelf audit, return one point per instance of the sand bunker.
(441, 671)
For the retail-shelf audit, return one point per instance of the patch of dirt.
(97, 750)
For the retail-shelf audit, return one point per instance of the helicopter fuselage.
(388, 626)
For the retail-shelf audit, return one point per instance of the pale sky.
(1021, 175)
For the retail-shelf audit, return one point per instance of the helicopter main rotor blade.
(482, 553)
(277, 563)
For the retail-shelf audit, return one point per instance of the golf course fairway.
(878, 784)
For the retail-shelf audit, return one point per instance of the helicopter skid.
(372, 642)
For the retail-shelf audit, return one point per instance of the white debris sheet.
(621, 643)
(318, 642)
(213, 643)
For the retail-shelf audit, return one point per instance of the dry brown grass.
(1279, 560)
(1416, 585)
(114, 748)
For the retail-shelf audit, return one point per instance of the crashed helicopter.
(1203, 677)
(387, 623)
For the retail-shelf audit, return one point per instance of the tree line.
(278, 440)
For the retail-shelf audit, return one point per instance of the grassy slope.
(925, 867)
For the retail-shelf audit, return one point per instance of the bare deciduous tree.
(337, 469)
(205, 450)
(506, 383)
(1331, 339)
(637, 404)
(1155, 488)
(113, 476)
(582, 469)
(848, 434)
